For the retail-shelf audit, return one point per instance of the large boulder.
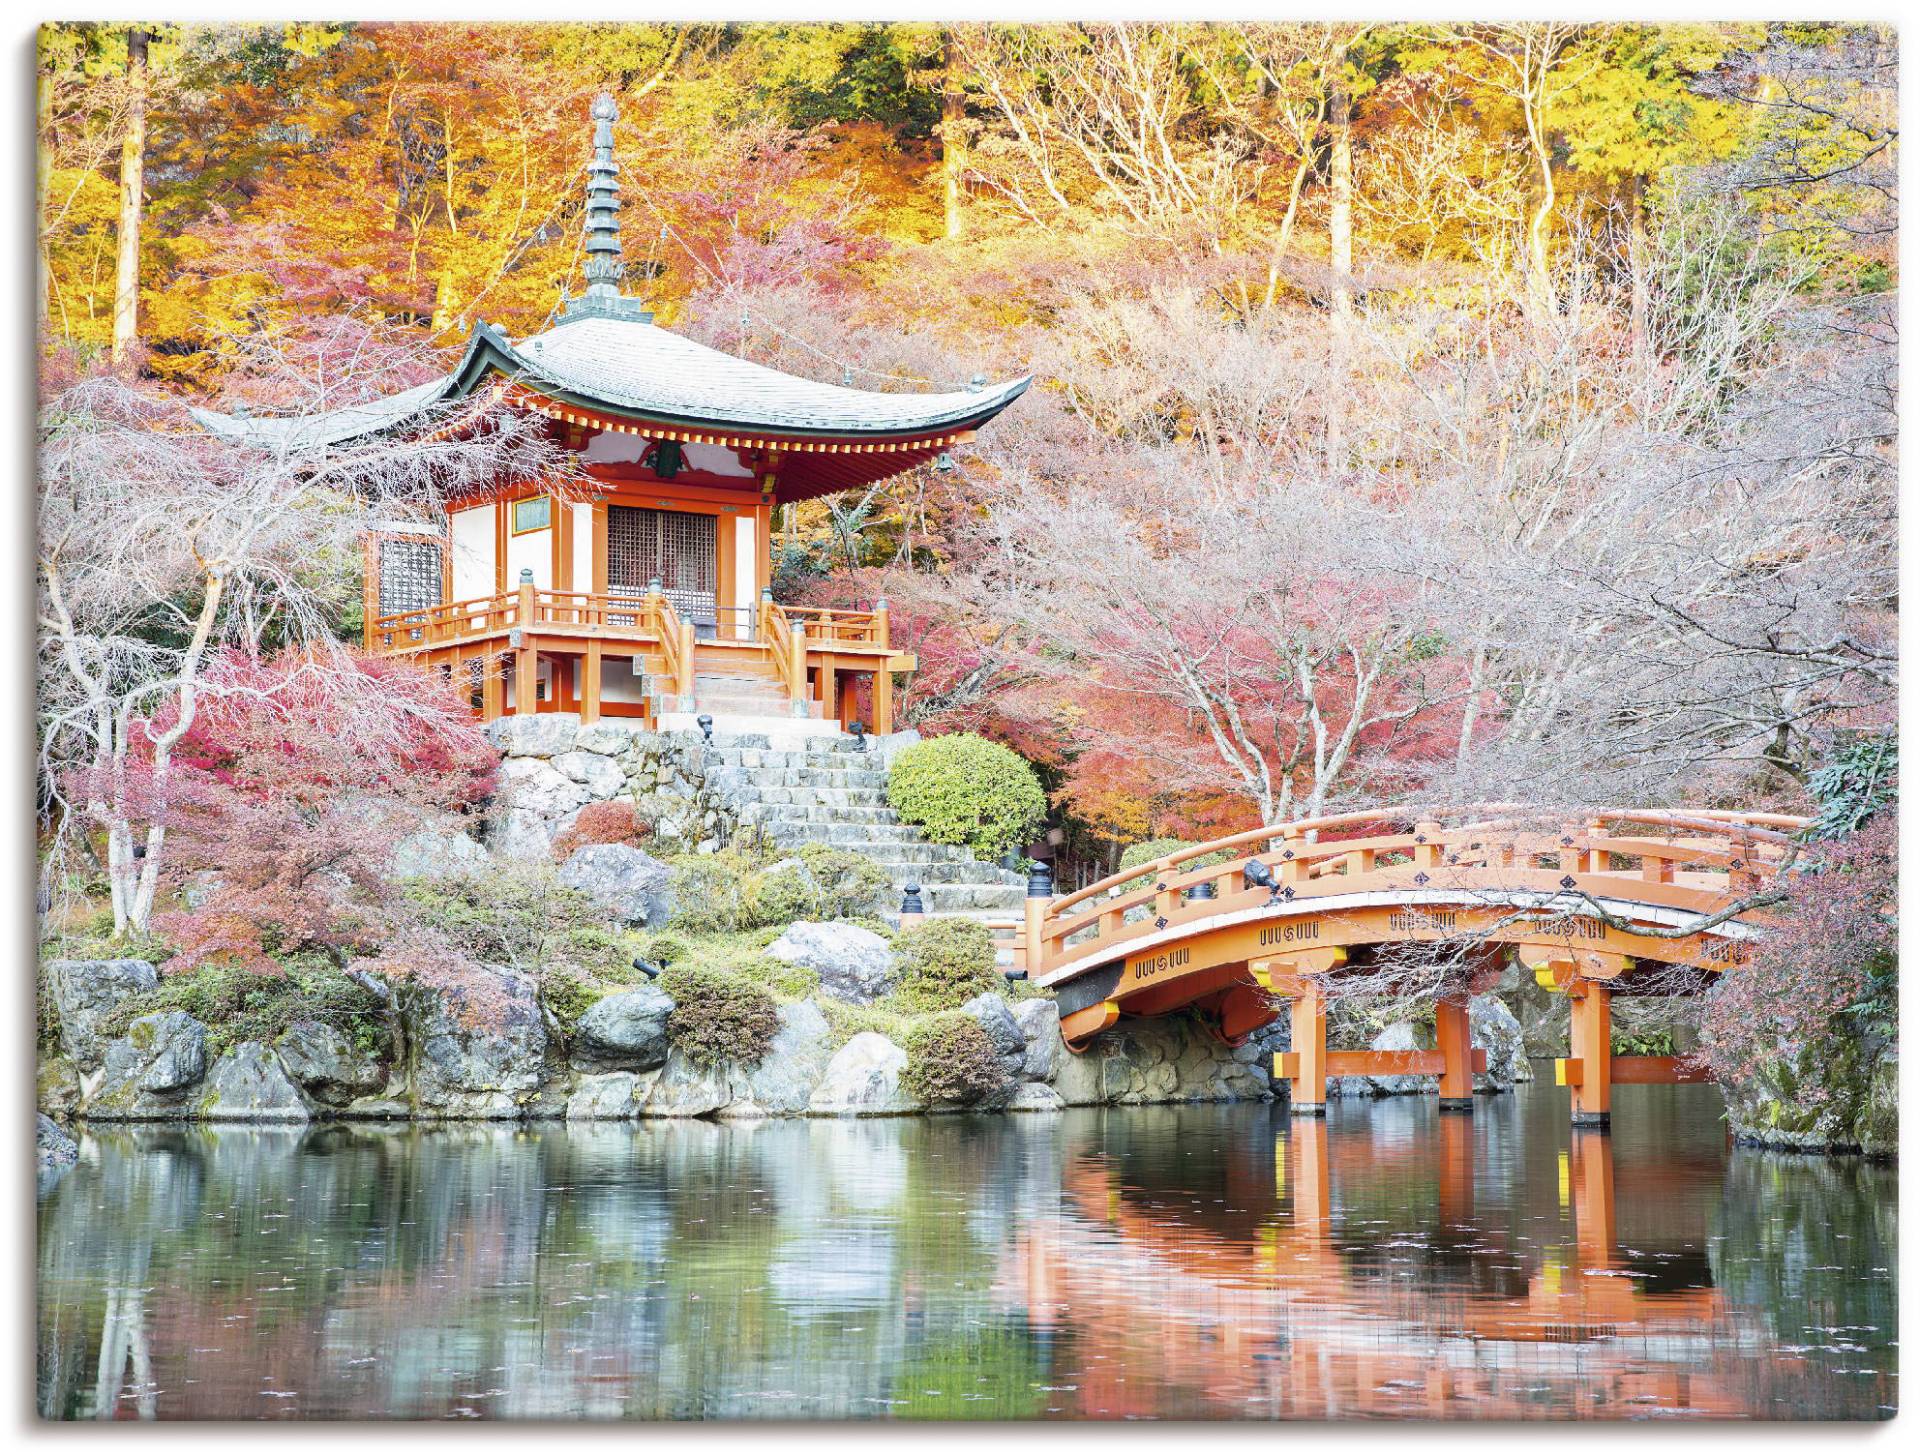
(993, 1016)
(436, 853)
(249, 1084)
(478, 1049)
(782, 1083)
(84, 991)
(609, 1095)
(57, 1089)
(54, 1150)
(691, 1088)
(854, 964)
(863, 1079)
(1496, 1030)
(150, 1071)
(535, 734)
(1401, 1036)
(324, 1062)
(627, 1029)
(535, 802)
(1035, 1096)
(622, 880)
(1039, 1022)
(600, 775)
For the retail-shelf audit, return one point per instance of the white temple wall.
(472, 533)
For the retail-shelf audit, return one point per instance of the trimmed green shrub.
(826, 884)
(664, 950)
(944, 963)
(236, 1005)
(710, 891)
(718, 1015)
(523, 916)
(951, 1061)
(963, 789)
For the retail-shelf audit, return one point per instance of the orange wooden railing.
(1700, 860)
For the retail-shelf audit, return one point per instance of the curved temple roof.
(636, 372)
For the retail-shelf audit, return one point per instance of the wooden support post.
(493, 686)
(526, 679)
(1592, 1048)
(683, 684)
(526, 662)
(797, 669)
(590, 683)
(1454, 1040)
(882, 700)
(881, 631)
(1310, 1045)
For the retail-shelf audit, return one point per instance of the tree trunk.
(953, 144)
(1637, 263)
(1340, 257)
(133, 166)
(43, 117)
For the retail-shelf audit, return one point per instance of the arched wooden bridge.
(1623, 902)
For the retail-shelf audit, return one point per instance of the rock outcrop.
(249, 1084)
(84, 991)
(863, 1079)
(853, 963)
(626, 1029)
(476, 1065)
(54, 1150)
(151, 1071)
(325, 1063)
(627, 883)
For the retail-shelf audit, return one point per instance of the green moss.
(846, 1020)
(964, 789)
(951, 1061)
(944, 963)
(240, 1005)
(568, 998)
(825, 883)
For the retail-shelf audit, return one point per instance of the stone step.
(980, 898)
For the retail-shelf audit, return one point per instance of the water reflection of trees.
(1155, 1261)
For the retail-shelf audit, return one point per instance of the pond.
(1189, 1263)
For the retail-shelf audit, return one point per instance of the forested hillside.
(1481, 412)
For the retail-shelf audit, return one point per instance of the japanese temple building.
(648, 595)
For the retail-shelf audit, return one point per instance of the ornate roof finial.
(603, 298)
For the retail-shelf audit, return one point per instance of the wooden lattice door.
(677, 548)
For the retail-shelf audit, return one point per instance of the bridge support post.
(1309, 1013)
(1592, 1052)
(1455, 1042)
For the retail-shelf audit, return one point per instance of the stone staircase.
(823, 791)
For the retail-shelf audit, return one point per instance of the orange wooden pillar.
(493, 686)
(526, 661)
(1455, 1043)
(1589, 1071)
(1310, 1047)
(590, 683)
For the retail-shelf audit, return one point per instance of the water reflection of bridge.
(1303, 1305)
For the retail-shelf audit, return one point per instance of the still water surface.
(1167, 1263)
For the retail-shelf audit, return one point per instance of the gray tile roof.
(637, 368)
(313, 431)
(643, 368)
